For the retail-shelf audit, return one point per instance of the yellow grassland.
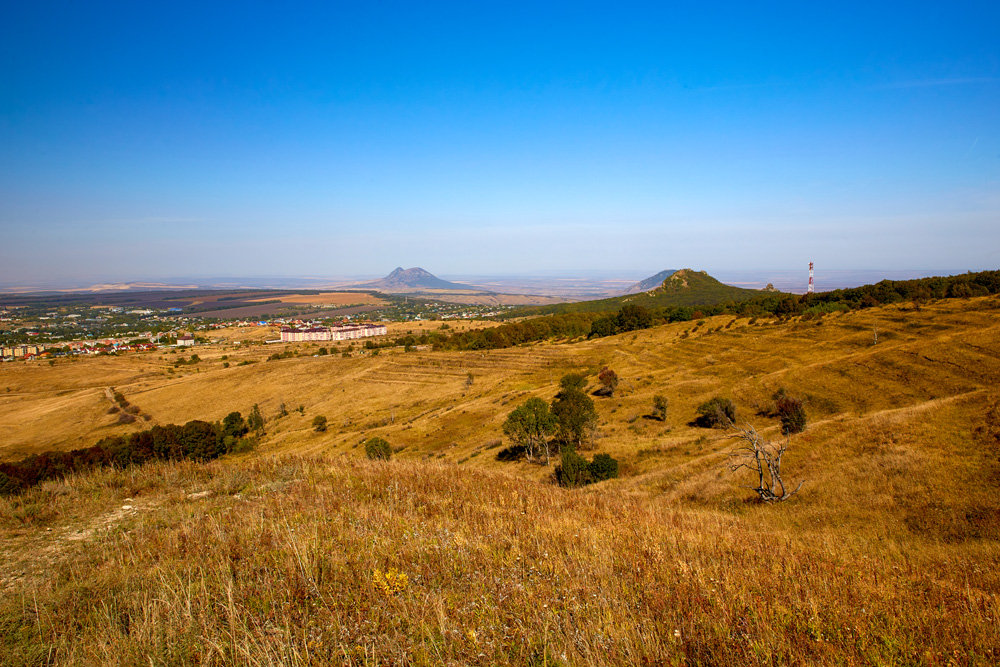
(888, 555)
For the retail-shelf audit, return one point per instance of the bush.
(573, 471)
(660, 404)
(792, 413)
(609, 382)
(319, 423)
(378, 449)
(716, 413)
(603, 467)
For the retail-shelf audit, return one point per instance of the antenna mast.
(810, 290)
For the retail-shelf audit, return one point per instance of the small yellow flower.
(391, 582)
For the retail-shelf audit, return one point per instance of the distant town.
(33, 330)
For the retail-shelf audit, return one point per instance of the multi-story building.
(293, 335)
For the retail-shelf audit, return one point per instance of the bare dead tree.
(762, 458)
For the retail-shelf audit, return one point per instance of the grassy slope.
(276, 560)
(685, 287)
(888, 554)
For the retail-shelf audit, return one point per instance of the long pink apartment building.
(293, 335)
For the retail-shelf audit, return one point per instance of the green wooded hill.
(685, 287)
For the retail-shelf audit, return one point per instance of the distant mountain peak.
(686, 279)
(401, 279)
(651, 282)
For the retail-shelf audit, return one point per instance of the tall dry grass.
(296, 560)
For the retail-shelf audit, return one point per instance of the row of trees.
(198, 440)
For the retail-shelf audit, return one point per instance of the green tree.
(572, 381)
(255, 422)
(319, 423)
(529, 425)
(234, 425)
(575, 412)
(377, 448)
(632, 317)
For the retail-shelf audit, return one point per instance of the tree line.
(632, 317)
(197, 440)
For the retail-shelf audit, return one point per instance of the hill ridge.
(650, 283)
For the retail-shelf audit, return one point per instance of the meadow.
(303, 552)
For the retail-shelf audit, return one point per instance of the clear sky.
(146, 140)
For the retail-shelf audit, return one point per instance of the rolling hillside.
(685, 287)
(889, 554)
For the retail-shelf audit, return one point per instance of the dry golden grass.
(317, 561)
(888, 555)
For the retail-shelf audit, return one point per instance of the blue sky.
(142, 141)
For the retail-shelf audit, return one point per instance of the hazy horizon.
(782, 279)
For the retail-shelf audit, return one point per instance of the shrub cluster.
(377, 448)
(716, 412)
(517, 333)
(198, 440)
(791, 411)
(575, 470)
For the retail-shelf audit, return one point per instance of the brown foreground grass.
(293, 560)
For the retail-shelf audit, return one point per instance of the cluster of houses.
(26, 352)
(350, 332)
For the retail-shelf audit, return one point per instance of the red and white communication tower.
(810, 290)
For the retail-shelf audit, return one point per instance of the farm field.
(889, 553)
(327, 299)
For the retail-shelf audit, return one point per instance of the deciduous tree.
(530, 425)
